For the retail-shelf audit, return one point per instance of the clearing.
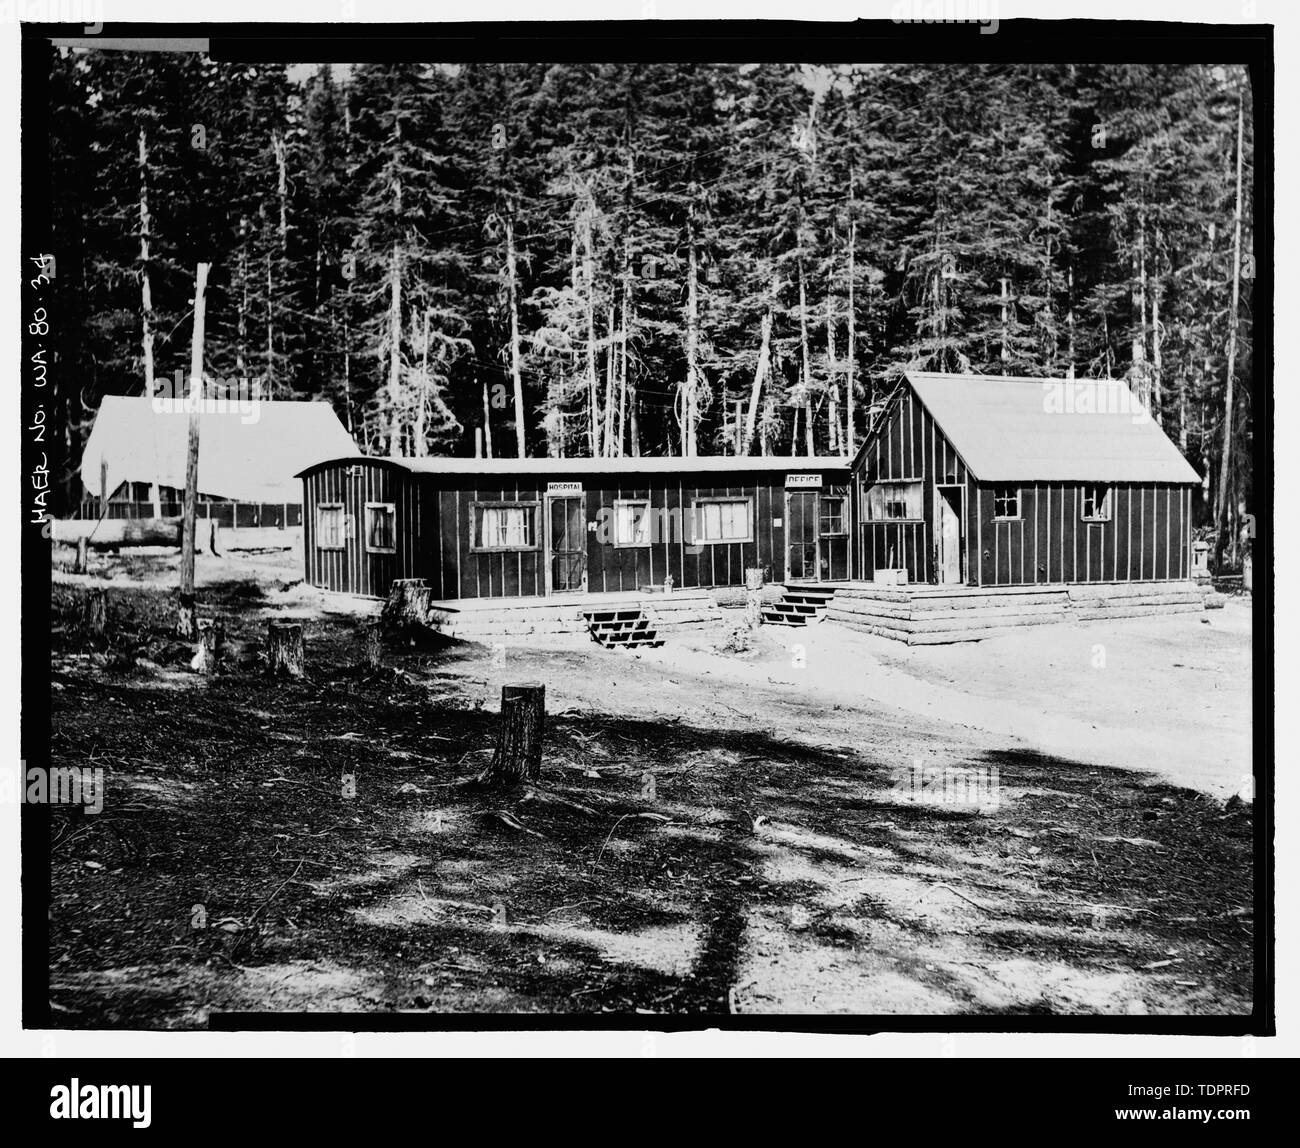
(741, 835)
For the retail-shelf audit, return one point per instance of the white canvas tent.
(248, 454)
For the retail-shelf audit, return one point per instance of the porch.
(927, 614)
(493, 620)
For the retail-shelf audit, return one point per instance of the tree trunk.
(407, 605)
(284, 649)
(1137, 339)
(94, 613)
(516, 372)
(1157, 363)
(589, 280)
(185, 615)
(691, 398)
(806, 360)
(1225, 457)
(146, 300)
(753, 597)
(832, 387)
(522, 727)
(82, 565)
(212, 645)
(395, 354)
(761, 368)
(610, 400)
(849, 396)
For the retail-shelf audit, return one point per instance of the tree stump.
(374, 645)
(212, 645)
(518, 756)
(186, 618)
(82, 564)
(94, 613)
(284, 649)
(407, 605)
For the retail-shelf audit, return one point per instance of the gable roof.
(251, 455)
(643, 464)
(1016, 429)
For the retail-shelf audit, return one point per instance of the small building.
(1000, 481)
(483, 528)
(250, 452)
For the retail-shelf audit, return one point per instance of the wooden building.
(510, 527)
(1000, 481)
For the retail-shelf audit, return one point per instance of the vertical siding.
(1145, 539)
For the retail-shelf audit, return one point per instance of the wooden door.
(801, 536)
(948, 533)
(566, 545)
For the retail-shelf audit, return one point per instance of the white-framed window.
(631, 522)
(1095, 501)
(330, 526)
(1006, 502)
(503, 526)
(722, 520)
(894, 502)
(381, 528)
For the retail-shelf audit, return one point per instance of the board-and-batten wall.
(355, 569)
(429, 546)
(1147, 537)
(909, 447)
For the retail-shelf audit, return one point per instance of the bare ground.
(780, 866)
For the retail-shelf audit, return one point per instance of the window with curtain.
(504, 526)
(329, 526)
(894, 501)
(1096, 503)
(723, 520)
(631, 522)
(381, 527)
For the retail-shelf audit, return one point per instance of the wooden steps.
(623, 629)
(925, 615)
(798, 606)
(562, 619)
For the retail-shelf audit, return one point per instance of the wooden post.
(284, 649)
(185, 619)
(374, 645)
(212, 645)
(753, 596)
(83, 556)
(94, 613)
(518, 755)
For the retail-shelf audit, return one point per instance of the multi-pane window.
(631, 522)
(723, 520)
(329, 526)
(832, 515)
(381, 527)
(1006, 502)
(504, 526)
(894, 501)
(1096, 503)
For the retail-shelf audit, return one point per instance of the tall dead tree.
(1225, 458)
(516, 372)
(146, 298)
(185, 619)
